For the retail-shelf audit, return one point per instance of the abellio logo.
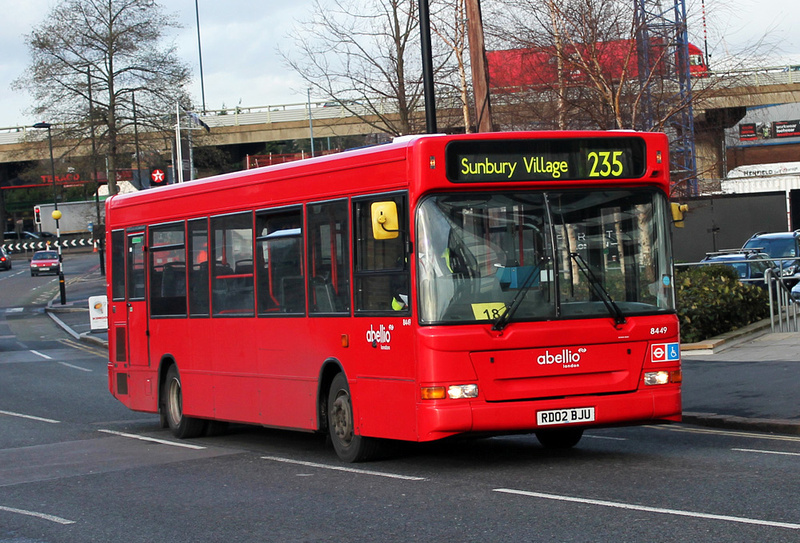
(382, 336)
(566, 357)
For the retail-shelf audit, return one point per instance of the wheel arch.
(166, 362)
(330, 369)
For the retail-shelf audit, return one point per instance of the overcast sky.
(240, 40)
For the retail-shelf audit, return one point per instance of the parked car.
(5, 260)
(12, 238)
(795, 293)
(749, 265)
(784, 247)
(44, 262)
(20, 236)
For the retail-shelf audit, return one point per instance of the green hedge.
(712, 301)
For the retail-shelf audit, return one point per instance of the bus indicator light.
(433, 393)
(454, 392)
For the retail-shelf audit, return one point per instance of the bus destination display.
(474, 161)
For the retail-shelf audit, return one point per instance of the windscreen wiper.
(601, 292)
(503, 320)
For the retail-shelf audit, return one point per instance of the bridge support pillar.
(709, 129)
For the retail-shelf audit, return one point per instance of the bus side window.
(232, 293)
(136, 266)
(279, 262)
(167, 270)
(381, 275)
(328, 258)
(118, 265)
(198, 268)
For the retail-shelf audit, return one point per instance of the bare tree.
(449, 24)
(589, 59)
(113, 50)
(608, 64)
(365, 56)
(586, 54)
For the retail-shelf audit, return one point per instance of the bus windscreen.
(479, 161)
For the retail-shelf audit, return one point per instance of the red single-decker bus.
(435, 286)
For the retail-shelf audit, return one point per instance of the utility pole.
(427, 67)
(480, 73)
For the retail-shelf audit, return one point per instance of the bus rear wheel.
(181, 426)
(349, 446)
(560, 438)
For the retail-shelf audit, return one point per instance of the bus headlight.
(662, 377)
(454, 392)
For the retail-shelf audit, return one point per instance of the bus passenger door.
(136, 305)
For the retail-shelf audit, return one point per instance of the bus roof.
(326, 177)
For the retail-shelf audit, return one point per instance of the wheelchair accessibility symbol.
(665, 352)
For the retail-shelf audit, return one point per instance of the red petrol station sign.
(158, 177)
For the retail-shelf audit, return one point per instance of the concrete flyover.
(228, 127)
(720, 102)
(722, 99)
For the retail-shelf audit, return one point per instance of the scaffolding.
(663, 55)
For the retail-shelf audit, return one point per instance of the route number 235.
(605, 164)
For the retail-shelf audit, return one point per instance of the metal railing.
(782, 308)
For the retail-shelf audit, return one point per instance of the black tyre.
(349, 446)
(181, 426)
(561, 438)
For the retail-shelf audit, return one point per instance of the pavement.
(744, 380)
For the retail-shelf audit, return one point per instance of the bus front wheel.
(349, 446)
(561, 438)
(181, 426)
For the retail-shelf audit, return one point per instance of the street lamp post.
(56, 213)
(98, 231)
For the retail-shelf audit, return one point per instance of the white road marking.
(678, 512)
(154, 440)
(767, 452)
(342, 468)
(42, 516)
(37, 353)
(31, 417)
(610, 438)
(725, 433)
(73, 366)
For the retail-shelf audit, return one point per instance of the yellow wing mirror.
(678, 211)
(385, 223)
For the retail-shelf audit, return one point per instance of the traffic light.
(678, 211)
(37, 215)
